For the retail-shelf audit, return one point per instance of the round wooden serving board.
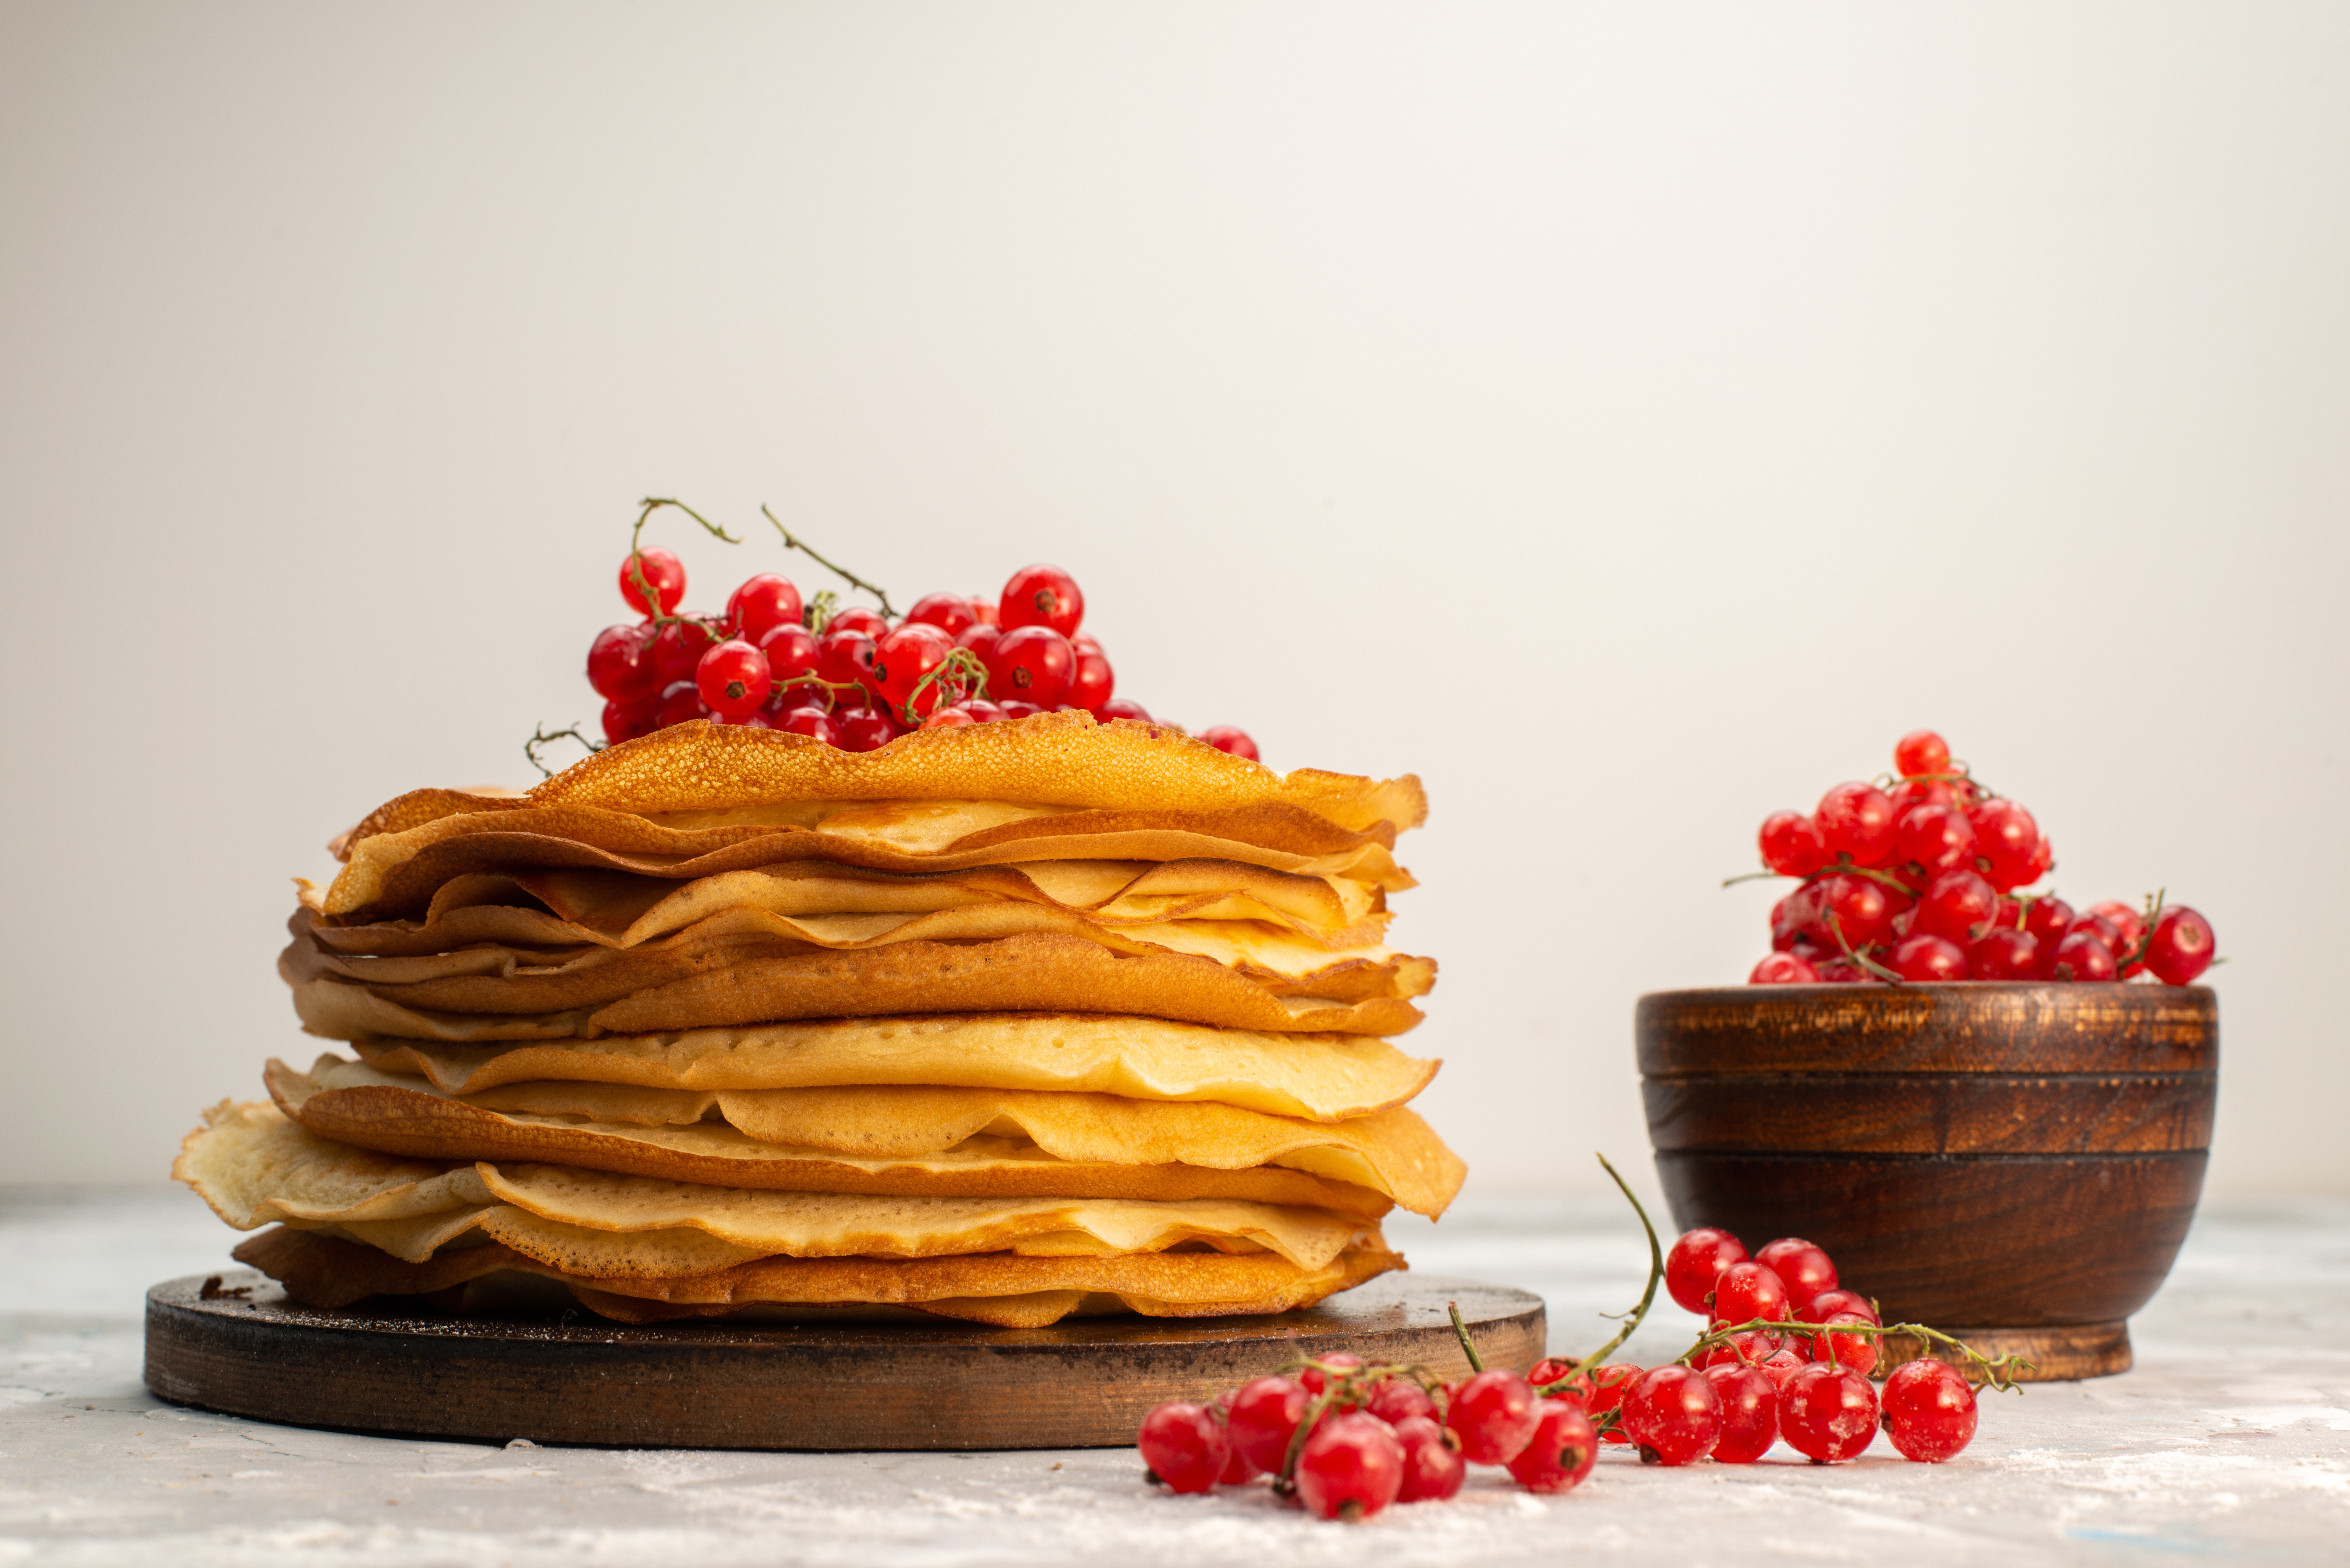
(232, 1343)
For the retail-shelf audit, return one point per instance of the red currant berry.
(1042, 595)
(1185, 1447)
(2182, 946)
(1696, 1261)
(1936, 837)
(1927, 960)
(1563, 1448)
(1929, 1410)
(762, 604)
(814, 722)
(1397, 1397)
(791, 655)
(1264, 1415)
(620, 667)
(1921, 752)
(2081, 956)
(1827, 1413)
(1910, 793)
(1350, 1468)
(846, 657)
(1841, 972)
(1959, 905)
(733, 680)
(662, 572)
(1750, 1348)
(857, 618)
(2007, 842)
(2005, 953)
(1857, 1351)
(1228, 738)
(984, 609)
(1238, 1471)
(677, 649)
(1783, 1364)
(1033, 663)
(1783, 968)
(981, 709)
(1492, 1414)
(1745, 1291)
(1015, 709)
(1803, 1270)
(950, 613)
(1128, 708)
(1314, 1380)
(1748, 1397)
(679, 701)
(1829, 1303)
(1791, 844)
(1863, 909)
(1433, 1469)
(2128, 925)
(1550, 1369)
(1091, 684)
(981, 639)
(1673, 1414)
(948, 719)
(864, 729)
(1856, 819)
(902, 659)
(627, 721)
(2048, 919)
(1608, 1386)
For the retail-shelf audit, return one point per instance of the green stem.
(1460, 1332)
(541, 735)
(791, 542)
(1648, 1297)
(1996, 1370)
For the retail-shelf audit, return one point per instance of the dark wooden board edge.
(2065, 1355)
(234, 1343)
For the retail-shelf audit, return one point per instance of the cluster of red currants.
(1919, 880)
(849, 677)
(1344, 1439)
(1785, 1355)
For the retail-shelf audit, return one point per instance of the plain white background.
(1630, 418)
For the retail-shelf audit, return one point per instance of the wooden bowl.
(2015, 1164)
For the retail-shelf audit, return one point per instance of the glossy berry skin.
(1750, 1412)
(950, 613)
(619, 664)
(1929, 1410)
(677, 649)
(1031, 663)
(1857, 1351)
(814, 722)
(1803, 1270)
(864, 729)
(1609, 1387)
(981, 639)
(2129, 926)
(1958, 905)
(2005, 953)
(1783, 968)
(1092, 681)
(1350, 1469)
(1264, 1414)
(2081, 956)
(2048, 919)
(1856, 819)
(1560, 1454)
(948, 719)
(1312, 1378)
(1937, 838)
(1397, 1397)
(1433, 1469)
(1921, 752)
(733, 680)
(1923, 958)
(1128, 708)
(846, 657)
(2182, 946)
(1185, 1447)
(2007, 843)
(1791, 844)
(1238, 1471)
(1747, 1290)
(1750, 1348)
(1041, 596)
(791, 652)
(1828, 1303)
(679, 701)
(1230, 738)
(1784, 1364)
(981, 709)
(1492, 1414)
(1550, 1370)
(1910, 793)
(1827, 1413)
(1863, 909)
(662, 572)
(1695, 1261)
(762, 604)
(1013, 708)
(857, 618)
(1673, 1414)
(901, 659)
(627, 721)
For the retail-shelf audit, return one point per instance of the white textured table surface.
(2231, 1440)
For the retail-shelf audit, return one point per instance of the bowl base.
(2063, 1353)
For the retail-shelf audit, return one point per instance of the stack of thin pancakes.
(1000, 1023)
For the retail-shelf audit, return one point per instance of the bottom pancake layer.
(1002, 1289)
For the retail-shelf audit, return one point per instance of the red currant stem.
(653, 611)
(1996, 1369)
(1960, 774)
(1460, 1332)
(820, 611)
(1648, 1298)
(851, 578)
(1845, 868)
(812, 680)
(1284, 1480)
(1751, 877)
(2146, 937)
(1836, 928)
(541, 735)
(962, 674)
